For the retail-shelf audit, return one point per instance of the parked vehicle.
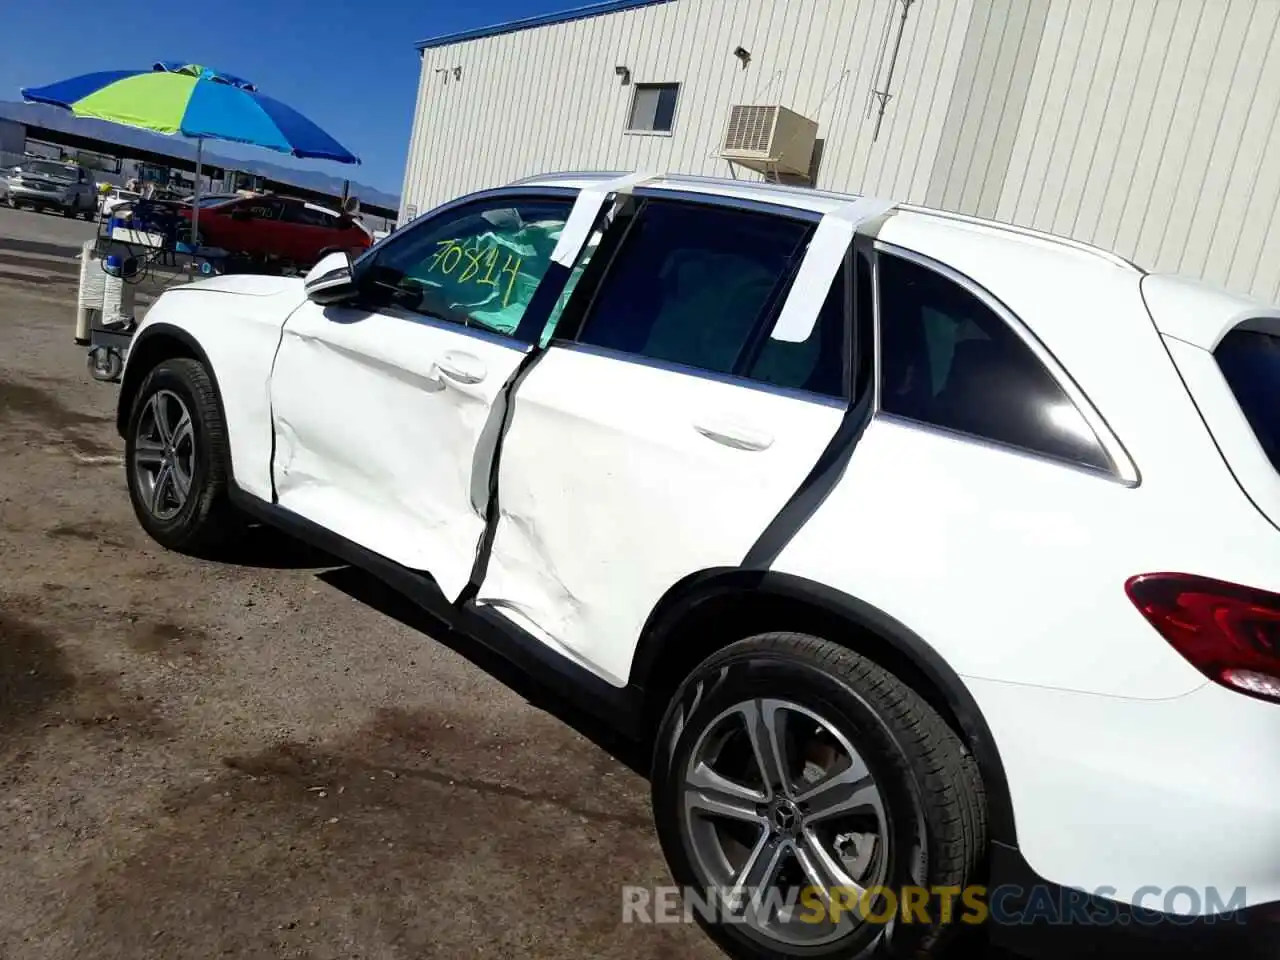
(273, 229)
(51, 185)
(113, 199)
(922, 551)
(214, 199)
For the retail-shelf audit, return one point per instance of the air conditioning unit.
(769, 139)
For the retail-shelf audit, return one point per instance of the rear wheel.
(803, 793)
(176, 456)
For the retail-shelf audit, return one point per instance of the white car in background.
(923, 551)
(114, 198)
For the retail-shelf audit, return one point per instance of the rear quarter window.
(1250, 362)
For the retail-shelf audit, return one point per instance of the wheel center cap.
(784, 817)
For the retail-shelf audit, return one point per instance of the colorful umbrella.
(194, 101)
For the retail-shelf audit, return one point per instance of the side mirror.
(331, 280)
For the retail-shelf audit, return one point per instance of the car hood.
(61, 181)
(248, 285)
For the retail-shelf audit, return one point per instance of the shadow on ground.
(263, 547)
(370, 591)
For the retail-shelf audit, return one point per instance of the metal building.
(1146, 126)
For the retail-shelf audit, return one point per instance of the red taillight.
(1229, 633)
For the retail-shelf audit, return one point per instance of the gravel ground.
(263, 760)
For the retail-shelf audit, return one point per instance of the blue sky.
(350, 66)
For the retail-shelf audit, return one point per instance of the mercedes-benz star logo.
(785, 818)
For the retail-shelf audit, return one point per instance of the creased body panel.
(611, 491)
(237, 326)
(374, 443)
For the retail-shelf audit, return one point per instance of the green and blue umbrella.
(194, 101)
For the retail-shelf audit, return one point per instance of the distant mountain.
(53, 118)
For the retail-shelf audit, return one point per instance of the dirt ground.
(261, 760)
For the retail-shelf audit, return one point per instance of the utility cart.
(139, 241)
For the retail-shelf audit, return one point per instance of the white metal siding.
(1150, 128)
(546, 99)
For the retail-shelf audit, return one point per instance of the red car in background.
(280, 229)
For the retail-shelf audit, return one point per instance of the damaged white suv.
(927, 553)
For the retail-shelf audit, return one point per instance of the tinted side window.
(816, 365)
(301, 213)
(1250, 362)
(691, 284)
(477, 266)
(948, 360)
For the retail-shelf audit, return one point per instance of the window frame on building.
(658, 89)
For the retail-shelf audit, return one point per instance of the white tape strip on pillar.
(821, 264)
(585, 212)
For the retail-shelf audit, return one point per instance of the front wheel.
(176, 457)
(809, 801)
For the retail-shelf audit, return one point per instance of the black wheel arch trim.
(1039, 919)
(133, 374)
(665, 620)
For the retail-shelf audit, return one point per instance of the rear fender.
(681, 631)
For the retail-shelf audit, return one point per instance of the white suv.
(926, 552)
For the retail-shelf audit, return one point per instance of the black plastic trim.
(133, 371)
(617, 707)
(833, 461)
(534, 319)
(664, 623)
(1037, 919)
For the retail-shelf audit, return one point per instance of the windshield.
(214, 201)
(41, 168)
(1250, 361)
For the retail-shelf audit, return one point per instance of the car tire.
(920, 822)
(69, 211)
(199, 520)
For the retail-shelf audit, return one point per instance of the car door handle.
(735, 435)
(462, 367)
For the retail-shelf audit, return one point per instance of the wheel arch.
(713, 608)
(154, 344)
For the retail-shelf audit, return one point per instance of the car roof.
(985, 250)
(813, 200)
(1084, 305)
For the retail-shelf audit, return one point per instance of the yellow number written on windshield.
(476, 266)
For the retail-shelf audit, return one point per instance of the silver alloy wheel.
(164, 455)
(780, 808)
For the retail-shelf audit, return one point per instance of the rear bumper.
(1033, 918)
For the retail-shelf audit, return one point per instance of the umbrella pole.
(195, 202)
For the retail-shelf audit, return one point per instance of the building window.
(653, 107)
